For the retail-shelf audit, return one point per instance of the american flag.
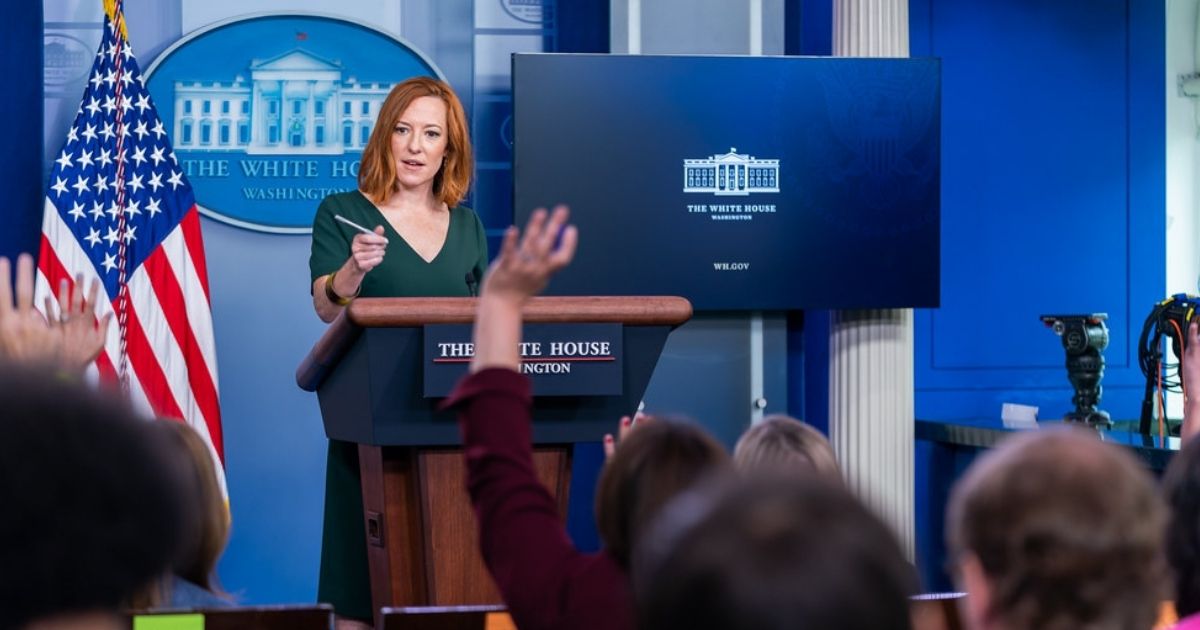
(119, 208)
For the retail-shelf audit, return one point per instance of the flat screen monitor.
(740, 183)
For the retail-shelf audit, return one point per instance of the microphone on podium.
(472, 284)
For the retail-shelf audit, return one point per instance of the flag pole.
(117, 50)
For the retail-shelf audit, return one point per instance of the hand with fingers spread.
(522, 269)
(1190, 368)
(82, 339)
(71, 339)
(24, 333)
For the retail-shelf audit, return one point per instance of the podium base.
(422, 538)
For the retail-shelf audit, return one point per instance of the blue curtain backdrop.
(21, 109)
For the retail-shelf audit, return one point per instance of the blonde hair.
(784, 444)
(377, 172)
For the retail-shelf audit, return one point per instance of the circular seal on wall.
(506, 132)
(529, 11)
(269, 114)
(66, 59)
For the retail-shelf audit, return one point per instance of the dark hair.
(659, 459)
(782, 443)
(92, 512)
(1067, 530)
(377, 173)
(1181, 487)
(199, 553)
(772, 553)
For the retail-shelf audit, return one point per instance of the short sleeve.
(330, 248)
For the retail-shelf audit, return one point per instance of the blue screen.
(740, 183)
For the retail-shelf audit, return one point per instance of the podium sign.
(560, 359)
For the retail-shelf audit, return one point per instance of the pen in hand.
(342, 219)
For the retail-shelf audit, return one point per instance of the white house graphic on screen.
(730, 174)
(295, 103)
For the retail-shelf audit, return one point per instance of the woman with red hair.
(415, 171)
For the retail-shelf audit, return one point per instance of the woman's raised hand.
(24, 333)
(523, 268)
(82, 339)
(72, 339)
(626, 425)
(518, 273)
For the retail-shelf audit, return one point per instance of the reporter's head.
(782, 444)
(91, 508)
(1057, 529)
(772, 552)
(205, 538)
(657, 461)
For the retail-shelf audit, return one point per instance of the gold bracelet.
(333, 296)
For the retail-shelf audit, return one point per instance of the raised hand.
(626, 425)
(82, 339)
(71, 340)
(523, 269)
(24, 333)
(518, 273)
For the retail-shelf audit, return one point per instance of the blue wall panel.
(814, 24)
(21, 165)
(1053, 200)
(1052, 197)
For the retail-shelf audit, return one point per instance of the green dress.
(345, 578)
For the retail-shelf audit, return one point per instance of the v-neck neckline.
(388, 227)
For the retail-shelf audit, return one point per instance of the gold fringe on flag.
(110, 8)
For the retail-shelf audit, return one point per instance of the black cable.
(1179, 308)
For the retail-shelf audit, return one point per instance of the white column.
(871, 413)
(178, 132)
(756, 27)
(333, 117)
(635, 27)
(258, 116)
(625, 26)
(870, 28)
(310, 125)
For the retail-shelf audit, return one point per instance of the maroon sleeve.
(521, 536)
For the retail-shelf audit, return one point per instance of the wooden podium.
(368, 372)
